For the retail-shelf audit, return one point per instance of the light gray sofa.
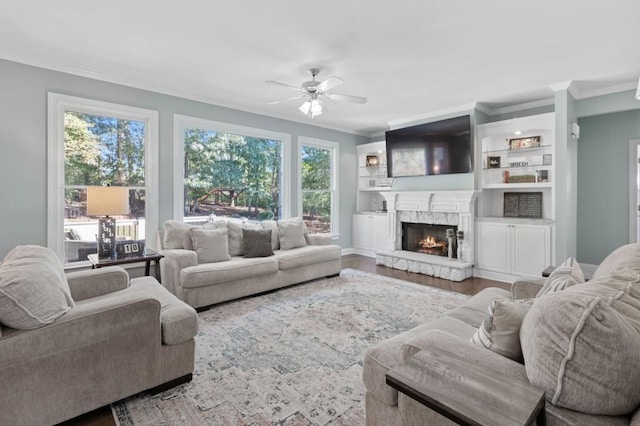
(121, 337)
(202, 285)
(615, 286)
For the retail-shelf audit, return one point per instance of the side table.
(458, 389)
(147, 256)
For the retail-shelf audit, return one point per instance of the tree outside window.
(317, 188)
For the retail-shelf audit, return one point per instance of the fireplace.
(428, 238)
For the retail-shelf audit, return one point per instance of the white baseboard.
(363, 252)
(346, 251)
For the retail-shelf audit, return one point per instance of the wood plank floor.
(471, 286)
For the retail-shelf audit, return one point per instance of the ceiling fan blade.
(291, 98)
(277, 83)
(348, 98)
(330, 83)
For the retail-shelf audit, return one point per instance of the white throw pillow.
(500, 330)
(292, 232)
(236, 242)
(177, 235)
(33, 288)
(275, 235)
(568, 274)
(211, 245)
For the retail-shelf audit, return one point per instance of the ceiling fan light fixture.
(311, 108)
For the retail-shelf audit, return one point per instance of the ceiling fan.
(314, 92)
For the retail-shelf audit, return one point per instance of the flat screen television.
(438, 148)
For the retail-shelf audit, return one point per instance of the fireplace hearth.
(428, 238)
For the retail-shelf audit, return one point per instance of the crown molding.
(522, 107)
(396, 124)
(156, 88)
(606, 90)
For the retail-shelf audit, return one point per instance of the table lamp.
(106, 202)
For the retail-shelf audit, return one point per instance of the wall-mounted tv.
(438, 148)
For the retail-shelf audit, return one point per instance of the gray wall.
(23, 167)
(603, 182)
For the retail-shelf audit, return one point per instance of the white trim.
(346, 251)
(633, 190)
(334, 147)
(606, 90)
(522, 107)
(181, 122)
(57, 105)
(403, 122)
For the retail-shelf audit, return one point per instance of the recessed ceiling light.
(517, 132)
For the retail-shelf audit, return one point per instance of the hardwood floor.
(470, 286)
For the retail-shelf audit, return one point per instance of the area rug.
(290, 357)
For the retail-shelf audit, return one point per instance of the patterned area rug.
(290, 357)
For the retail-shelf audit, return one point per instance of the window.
(230, 171)
(95, 144)
(318, 185)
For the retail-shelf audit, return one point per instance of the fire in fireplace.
(428, 238)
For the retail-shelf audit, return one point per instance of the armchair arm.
(526, 287)
(96, 282)
(172, 263)
(318, 239)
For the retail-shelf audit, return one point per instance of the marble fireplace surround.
(456, 208)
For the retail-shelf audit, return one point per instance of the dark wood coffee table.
(465, 392)
(147, 256)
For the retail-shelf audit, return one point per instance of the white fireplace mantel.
(456, 208)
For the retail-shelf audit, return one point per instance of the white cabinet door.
(361, 231)
(379, 234)
(493, 248)
(531, 249)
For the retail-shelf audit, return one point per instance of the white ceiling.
(408, 57)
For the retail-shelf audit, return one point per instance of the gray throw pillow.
(236, 243)
(210, 245)
(569, 273)
(257, 242)
(292, 232)
(33, 288)
(582, 346)
(500, 330)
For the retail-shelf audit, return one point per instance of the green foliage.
(81, 151)
(316, 182)
(232, 169)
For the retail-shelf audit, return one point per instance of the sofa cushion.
(500, 330)
(177, 235)
(292, 232)
(625, 257)
(567, 274)
(179, 321)
(33, 288)
(210, 245)
(388, 354)
(257, 242)
(275, 235)
(582, 346)
(307, 255)
(474, 310)
(236, 242)
(237, 268)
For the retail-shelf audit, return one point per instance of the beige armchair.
(121, 337)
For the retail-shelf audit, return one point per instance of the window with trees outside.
(231, 171)
(318, 185)
(100, 145)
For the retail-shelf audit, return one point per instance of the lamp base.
(106, 237)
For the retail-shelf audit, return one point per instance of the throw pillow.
(292, 233)
(211, 245)
(275, 235)
(257, 242)
(236, 243)
(564, 276)
(33, 288)
(500, 330)
(176, 235)
(582, 346)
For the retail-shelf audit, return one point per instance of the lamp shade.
(107, 200)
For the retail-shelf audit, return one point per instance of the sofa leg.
(171, 384)
(334, 275)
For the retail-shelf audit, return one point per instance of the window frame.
(57, 106)
(182, 122)
(334, 147)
